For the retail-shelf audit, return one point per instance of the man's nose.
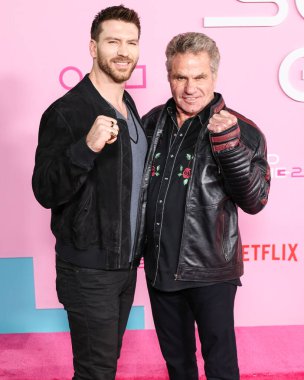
(190, 87)
(123, 50)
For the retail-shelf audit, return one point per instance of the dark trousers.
(98, 303)
(175, 314)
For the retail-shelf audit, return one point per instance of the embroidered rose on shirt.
(155, 169)
(185, 173)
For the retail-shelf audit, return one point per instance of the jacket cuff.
(81, 155)
(225, 140)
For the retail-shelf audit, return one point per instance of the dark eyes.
(134, 43)
(180, 79)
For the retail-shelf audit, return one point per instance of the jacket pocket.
(85, 222)
(210, 236)
(230, 237)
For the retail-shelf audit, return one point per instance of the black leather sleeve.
(241, 154)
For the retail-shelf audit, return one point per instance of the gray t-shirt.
(139, 148)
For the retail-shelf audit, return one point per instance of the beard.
(116, 75)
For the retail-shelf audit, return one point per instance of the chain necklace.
(129, 112)
(135, 141)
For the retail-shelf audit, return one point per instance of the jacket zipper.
(147, 170)
(120, 206)
(158, 245)
(187, 199)
(139, 204)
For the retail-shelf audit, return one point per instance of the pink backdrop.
(45, 51)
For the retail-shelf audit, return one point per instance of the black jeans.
(175, 314)
(98, 304)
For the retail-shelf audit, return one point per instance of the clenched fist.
(221, 121)
(103, 131)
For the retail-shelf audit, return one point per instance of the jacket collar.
(94, 95)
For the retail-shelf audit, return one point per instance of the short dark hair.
(117, 12)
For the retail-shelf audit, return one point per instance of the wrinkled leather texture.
(211, 248)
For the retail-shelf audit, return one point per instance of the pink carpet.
(265, 353)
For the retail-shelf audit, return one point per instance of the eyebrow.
(202, 75)
(179, 75)
(119, 39)
(112, 38)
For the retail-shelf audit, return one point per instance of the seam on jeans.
(86, 320)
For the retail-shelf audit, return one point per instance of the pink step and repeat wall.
(45, 52)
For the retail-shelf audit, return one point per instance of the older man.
(205, 161)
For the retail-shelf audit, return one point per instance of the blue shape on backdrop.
(18, 313)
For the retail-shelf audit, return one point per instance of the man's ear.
(93, 48)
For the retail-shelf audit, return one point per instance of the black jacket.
(89, 193)
(230, 169)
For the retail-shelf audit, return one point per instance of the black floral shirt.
(170, 174)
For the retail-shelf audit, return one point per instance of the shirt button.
(172, 155)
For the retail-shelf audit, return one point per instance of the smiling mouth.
(190, 100)
(122, 61)
(122, 64)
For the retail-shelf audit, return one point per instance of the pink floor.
(265, 353)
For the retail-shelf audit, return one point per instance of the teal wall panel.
(18, 313)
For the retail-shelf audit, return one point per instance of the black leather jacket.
(89, 193)
(234, 173)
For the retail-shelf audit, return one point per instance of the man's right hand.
(104, 131)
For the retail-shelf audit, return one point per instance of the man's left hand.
(221, 121)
